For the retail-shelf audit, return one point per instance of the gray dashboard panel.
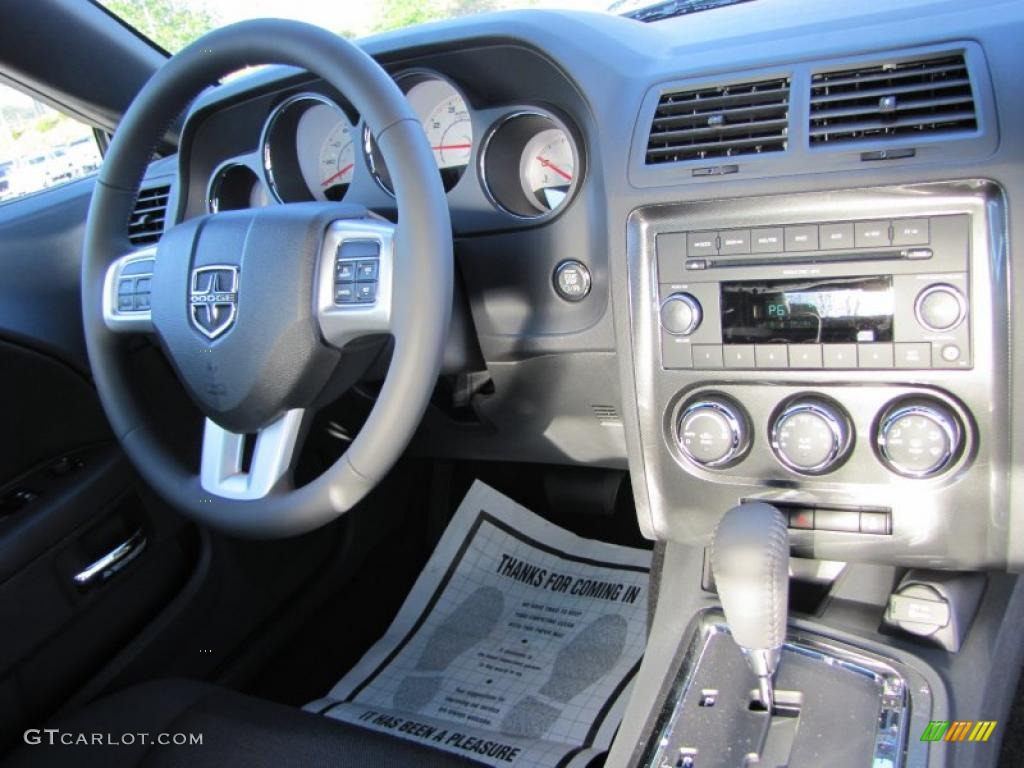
(613, 63)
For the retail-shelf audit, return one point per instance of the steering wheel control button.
(345, 272)
(366, 292)
(713, 432)
(681, 314)
(356, 271)
(919, 438)
(572, 280)
(366, 271)
(940, 308)
(811, 435)
(344, 293)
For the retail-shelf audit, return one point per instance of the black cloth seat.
(236, 730)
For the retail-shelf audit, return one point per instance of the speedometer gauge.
(547, 169)
(337, 161)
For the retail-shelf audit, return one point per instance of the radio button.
(675, 353)
(702, 244)
(802, 238)
(950, 353)
(910, 232)
(835, 236)
(913, 355)
(734, 241)
(839, 355)
(871, 234)
(874, 355)
(771, 356)
(805, 356)
(940, 308)
(739, 356)
(707, 356)
(767, 240)
(681, 314)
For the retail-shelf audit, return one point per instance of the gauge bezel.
(574, 143)
(218, 177)
(406, 81)
(267, 134)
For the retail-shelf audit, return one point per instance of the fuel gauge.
(530, 164)
(547, 169)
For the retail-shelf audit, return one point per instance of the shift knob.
(750, 562)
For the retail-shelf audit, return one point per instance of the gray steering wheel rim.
(423, 262)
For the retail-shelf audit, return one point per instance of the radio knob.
(713, 432)
(681, 314)
(811, 435)
(940, 307)
(919, 438)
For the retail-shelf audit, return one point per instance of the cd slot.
(902, 254)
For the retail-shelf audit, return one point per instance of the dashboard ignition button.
(572, 280)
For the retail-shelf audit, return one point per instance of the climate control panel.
(912, 435)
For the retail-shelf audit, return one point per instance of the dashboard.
(791, 250)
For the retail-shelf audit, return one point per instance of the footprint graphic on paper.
(580, 664)
(471, 621)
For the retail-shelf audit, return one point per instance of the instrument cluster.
(527, 161)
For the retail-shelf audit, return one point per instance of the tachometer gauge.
(547, 169)
(323, 145)
(337, 161)
(530, 164)
(308, 153)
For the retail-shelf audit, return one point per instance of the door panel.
(67, 495)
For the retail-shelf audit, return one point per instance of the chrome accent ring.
(834, 424)
(941, 288)
(734, 422)
(950, 427)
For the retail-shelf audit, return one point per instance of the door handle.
(105, 567)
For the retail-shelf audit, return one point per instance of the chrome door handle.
(102, 569)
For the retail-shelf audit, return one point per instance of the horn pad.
(233, 308)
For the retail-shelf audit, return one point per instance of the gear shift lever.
(750, 562)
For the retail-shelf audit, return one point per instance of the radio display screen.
(824, 310)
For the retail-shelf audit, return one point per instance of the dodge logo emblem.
(213, 299)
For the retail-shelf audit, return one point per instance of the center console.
(842, 356)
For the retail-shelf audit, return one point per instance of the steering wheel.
(243, 302)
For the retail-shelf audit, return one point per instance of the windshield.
(173, 24)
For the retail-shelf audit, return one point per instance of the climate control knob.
(713, 431)
(811, 435)
(919, 437)
(681, 314)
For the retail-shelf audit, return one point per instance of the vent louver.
(913, 97)
(720, 122)
(147, 221)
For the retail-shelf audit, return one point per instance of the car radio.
(870, 294)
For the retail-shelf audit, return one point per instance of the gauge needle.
(548, 164)
(337, 175)
(442, 147)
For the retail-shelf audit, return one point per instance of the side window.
(40, 147)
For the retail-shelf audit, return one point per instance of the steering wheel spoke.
(127, 292)
(222, 471)
(354, 280)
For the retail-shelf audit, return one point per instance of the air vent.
(908, 98)
(147, 222)
(723, 121)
